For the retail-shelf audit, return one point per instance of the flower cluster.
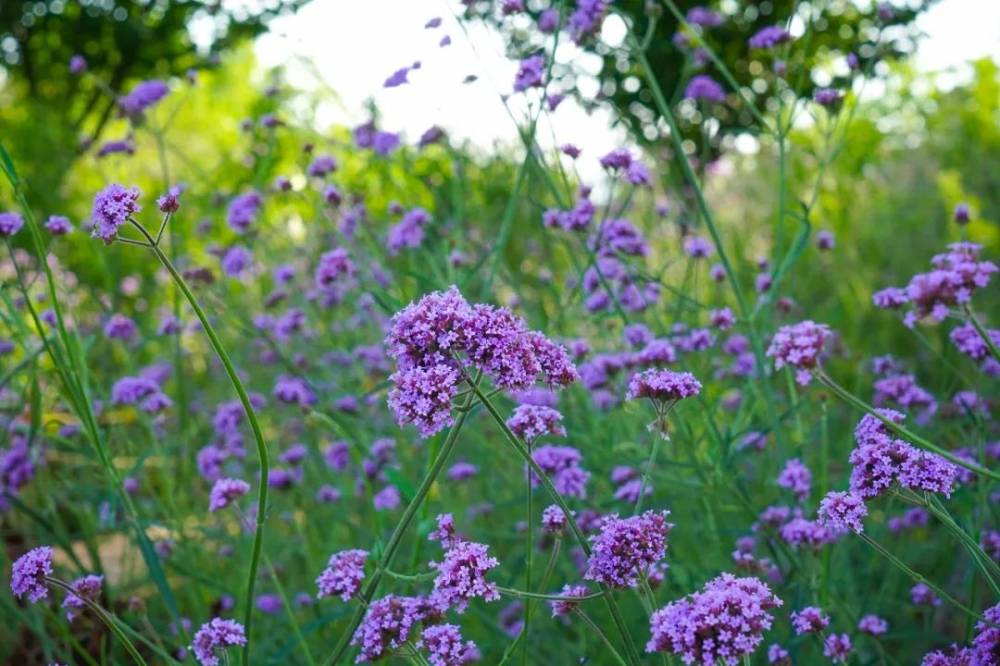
(722, 622)
(626, 548)
(432, 339)
(799, 346)
(343, 574)
(214, 635)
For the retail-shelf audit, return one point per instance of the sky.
(352, 47)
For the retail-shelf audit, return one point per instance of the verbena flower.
(387, 625)
(565, 607)
(529, 422)
(796, 477)
(461, 575)
(112, 207)
(562, 465)
(723, 621)
(343, 575)
(142, 96)
(873, 625)
(445, 646)
(225, 492)
(215, 635)
(922, 595)
(843, 511)
(769, 37)
(705, 88)
(84, 588)
(334, 266)
(529, 73)
(662, 386)
(58, 225)
(799, 346)
(10, 224)
(243, 210)
(837, 647)
(28, 574)
(554, 519)
(236, 260)
(586, 18)
(626, 548)
(386, 499)
(809, 620)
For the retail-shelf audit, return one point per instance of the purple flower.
(626, 548)
(961, 214)
(828, 97)
(225, 492)
(170, 202)
(293, 391)
(554, 520)
(587, 18)
(922, 595)
(243, 210)
(334, 266)
(461, 575)
(444, 533)
(397, 78)
(562, 465)
(843, 511)
(215, 635)
(890, 298)
(809, 533)
(86, 588)
(825, 240)
(387, 625)
(564, 607)
(706, 88)
(662, 386)
(327, 493)
(422, 396)
(873, 625)
(343, 575)
(796, 477)
(809, 620)
(142, 96)
(837, 647)
(529, 73)
(77, 64)
(409, 233)
(236, 260)
(322, 165)
(799, 346)
(445, 647)
(529, 422)
(58, 225)
(462, 471)
(28, 574)
(112, 207)
(722, 622)
(386, 499)
(384, 143)
(548, 21)
(777, 655)
(704, 17)
(769, 37)
(10, 224)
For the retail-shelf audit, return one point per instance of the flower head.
(214, 635)
(85, 588)
(142, 96)
(28, 574)
(809, 620)
(843, 511)
(445, 646)
(626, 548)
(343, 574)
(723, 621)
(462, 575)
(565, 607)
(10, 224)
(225, 492)
(112, 207)
(799, 346)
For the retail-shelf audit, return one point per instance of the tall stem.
(385, 561)
(234, 378)
(104, 616)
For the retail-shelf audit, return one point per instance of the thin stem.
(524, 594)
(385, 561)
(104, 616)
(900, 430)
(917, 577)
(604, 638)
(529, 556)
(647, 472)
(264, 460)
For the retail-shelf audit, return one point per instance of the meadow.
(278, 395)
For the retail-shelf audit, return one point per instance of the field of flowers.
(276, 396)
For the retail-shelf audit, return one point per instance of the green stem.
(529, 557)
(604, 638)
(524, 594)
(104, 616)
(647, 472)
(899, 564)
(385, 561)
(234, 378)
(900, 430)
